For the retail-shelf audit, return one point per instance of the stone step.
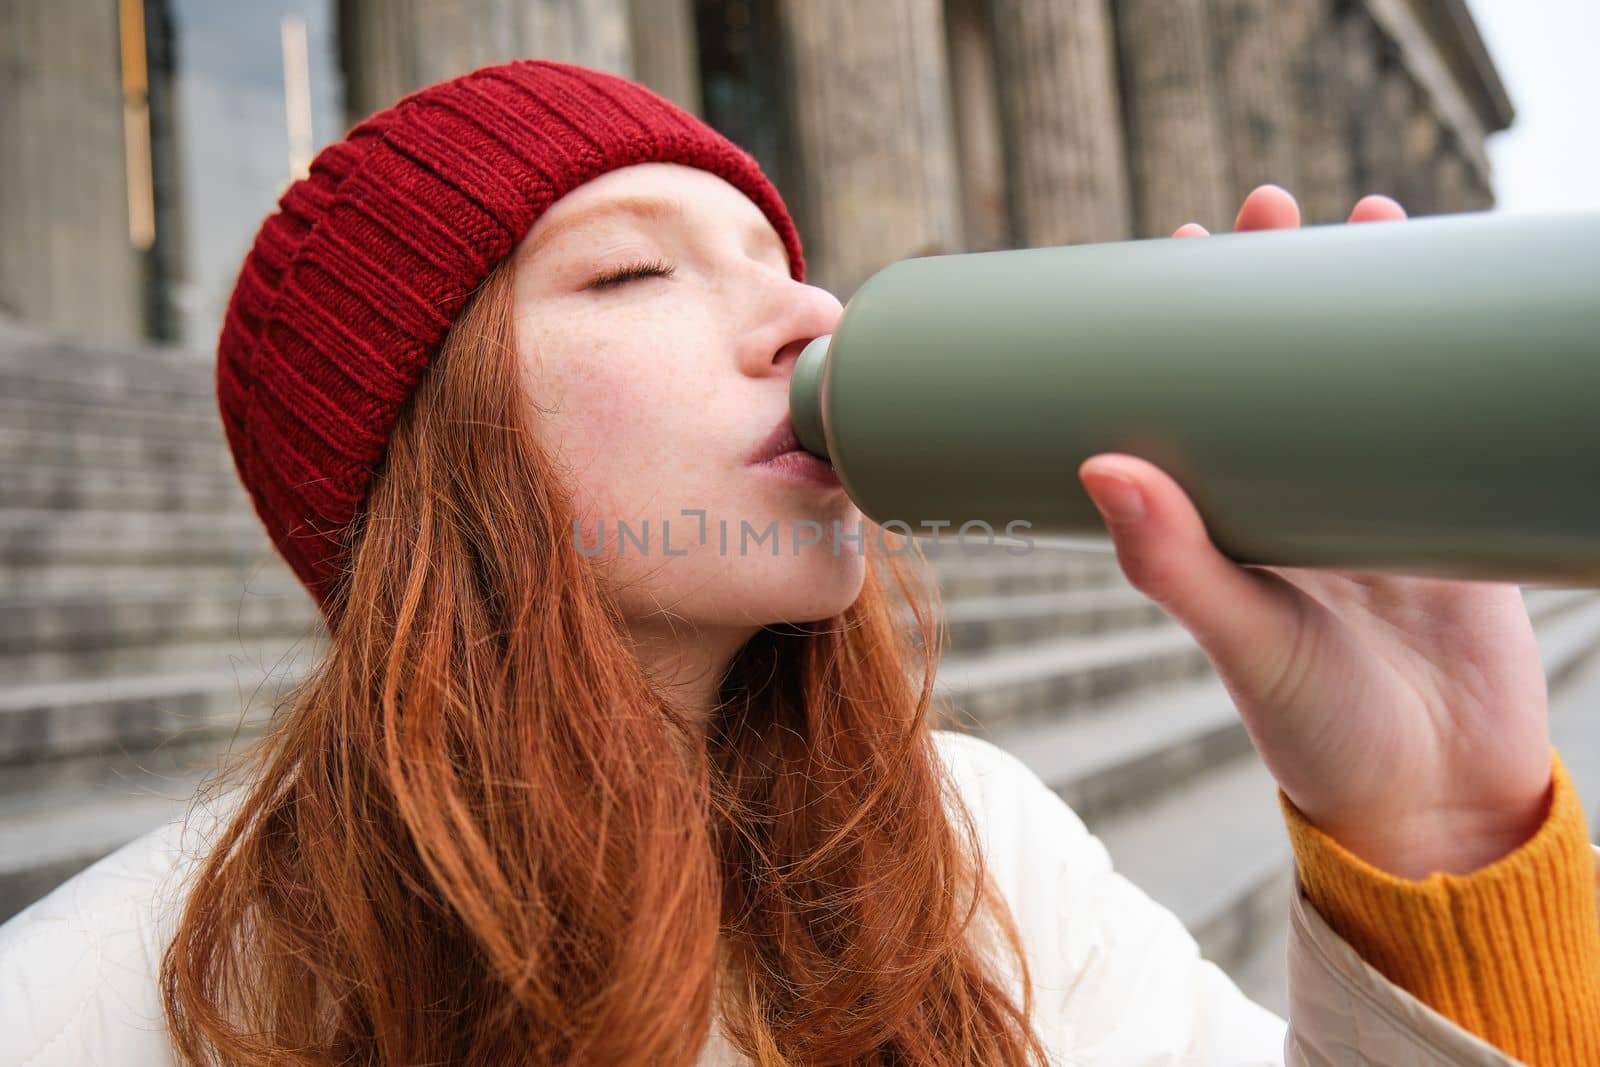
(47, 667)
(986, 573)
(1109, 756)
(113, 616)
(262, 571)
(56, 723)
(59, 817)
(40, 485)
(987, 622)
(39, 853)
(1567, 637)
(951, 544)
(139, 386)
(1575, 732)
(1044, 681)
(44, 415)
(44, 537)
(1547, 604)
(1262, 974)
(1215, 852)
(27, 351)
(1211, 845)
(114, 451)
(159, 376)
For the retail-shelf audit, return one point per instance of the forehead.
(653, 194)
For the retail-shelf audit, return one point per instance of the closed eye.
(655, 268)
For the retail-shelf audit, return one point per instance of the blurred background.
(146, 626)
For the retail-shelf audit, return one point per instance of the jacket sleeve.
(1116, 977)
(1344, 1011)
(78, 971)
(1143, 993)
(1479, 968)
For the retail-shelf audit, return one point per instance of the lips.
(782, 439)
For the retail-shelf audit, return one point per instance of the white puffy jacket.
(1118, 981)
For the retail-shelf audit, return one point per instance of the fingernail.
(1119, 501)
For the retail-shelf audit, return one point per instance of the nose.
(791, 351)
(800, 313)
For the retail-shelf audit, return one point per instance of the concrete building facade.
(146, 138)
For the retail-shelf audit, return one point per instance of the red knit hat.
(350, 286)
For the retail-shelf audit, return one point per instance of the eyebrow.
(648, 208)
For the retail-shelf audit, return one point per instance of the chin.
(806, 588)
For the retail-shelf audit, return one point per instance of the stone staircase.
(146, 627)
(1055, 657)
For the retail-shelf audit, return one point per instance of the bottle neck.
(805, 396)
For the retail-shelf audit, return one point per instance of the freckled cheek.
(625, 436)
(636, 407)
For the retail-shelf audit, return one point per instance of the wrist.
(1499, 951)
(1416, 843)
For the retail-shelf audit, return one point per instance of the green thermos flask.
(1418, 397)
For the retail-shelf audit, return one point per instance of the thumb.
(1245, 621)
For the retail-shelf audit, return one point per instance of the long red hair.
(477, 833)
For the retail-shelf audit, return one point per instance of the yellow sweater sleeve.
(1510, 951)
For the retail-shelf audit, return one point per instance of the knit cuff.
(1510, 951)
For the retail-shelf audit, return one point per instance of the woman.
(558, 796)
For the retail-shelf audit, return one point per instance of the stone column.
(1407, 114)
(1259, 106)
(1479, 196)
(67, 262)
(1324, 95)
(1364, 54)
(980, 146)
(1451, 179)
(1394, 168)
(1176, 147)
(1061, 116)
(873, 135)
(1421, 151)
(665, 54)
(392, 47)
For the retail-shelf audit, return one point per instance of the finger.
(1191, 229)
(1238, 617)
(1377, 208)
(1268, 207)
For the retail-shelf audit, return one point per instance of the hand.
(1405, 717)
